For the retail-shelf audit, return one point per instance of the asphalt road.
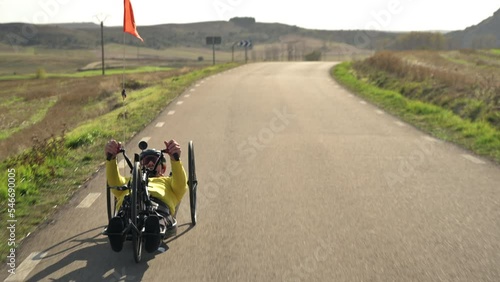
(298, 181)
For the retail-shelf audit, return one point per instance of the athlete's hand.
(112, 148)
(173, 149)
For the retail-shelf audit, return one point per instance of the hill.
(272, 38)
(486, 34)
(87, 35)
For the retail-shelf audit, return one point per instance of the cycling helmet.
(150, 155)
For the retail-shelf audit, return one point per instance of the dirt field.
(40, 108)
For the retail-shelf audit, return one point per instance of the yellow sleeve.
(178, 179)
(113, 175)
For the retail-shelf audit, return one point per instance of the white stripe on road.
(473, 159)
(26, 267)
(192, 90)
(362, 102)
(399, 123)
(187, 95)
(145, 139)
(89, 200)
(379, 112)
(160, 124)
(180, 103)
(171, 113)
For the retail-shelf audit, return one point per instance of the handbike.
(138, 205)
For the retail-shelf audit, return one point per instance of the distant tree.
(421, 41)
(243, 21)
(484, 41)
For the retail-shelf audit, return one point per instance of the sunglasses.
(148, 159)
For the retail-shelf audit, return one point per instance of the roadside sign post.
(244, 43)
(213, 40)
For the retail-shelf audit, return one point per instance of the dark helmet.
(150, 155)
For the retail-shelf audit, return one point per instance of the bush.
(313, 56)
(40, 73)
(134, 84)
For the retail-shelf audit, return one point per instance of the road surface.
(299, 180)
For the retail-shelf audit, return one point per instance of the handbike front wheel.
(135, 206)
(192, 181)
(110, 203)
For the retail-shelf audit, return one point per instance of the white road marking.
(24, 269)
(399, 123)
(192, 90)
(362, 102)
(160, 124)
(379, 112)
(473, 159)
(171, 113)
(180, 103)
(187, 96)
(146, 139)
(89, 200)
(198, 85)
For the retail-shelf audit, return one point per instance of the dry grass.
(76, 100)
(466, 82)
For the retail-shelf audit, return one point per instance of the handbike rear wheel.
(192, 182)
(136, 205)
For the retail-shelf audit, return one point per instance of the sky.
(388, 15)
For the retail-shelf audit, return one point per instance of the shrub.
(313, 56)
(134, 84)
(40, 73)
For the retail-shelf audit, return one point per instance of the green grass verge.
(478, 137)
(50, 173)
(87, 73)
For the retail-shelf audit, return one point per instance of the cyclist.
(165, 191)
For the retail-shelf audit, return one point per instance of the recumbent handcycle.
(139, 204)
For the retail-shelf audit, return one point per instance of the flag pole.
(124, 95)
(123, 69)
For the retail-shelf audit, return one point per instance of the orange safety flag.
(128, 20)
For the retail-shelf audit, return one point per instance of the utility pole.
(102, 47)
(102, 42)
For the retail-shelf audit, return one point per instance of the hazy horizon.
(382, 15)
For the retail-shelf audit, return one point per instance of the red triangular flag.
(128, 20)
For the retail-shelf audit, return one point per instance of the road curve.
(299, 180)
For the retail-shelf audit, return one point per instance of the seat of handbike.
(163, 212)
